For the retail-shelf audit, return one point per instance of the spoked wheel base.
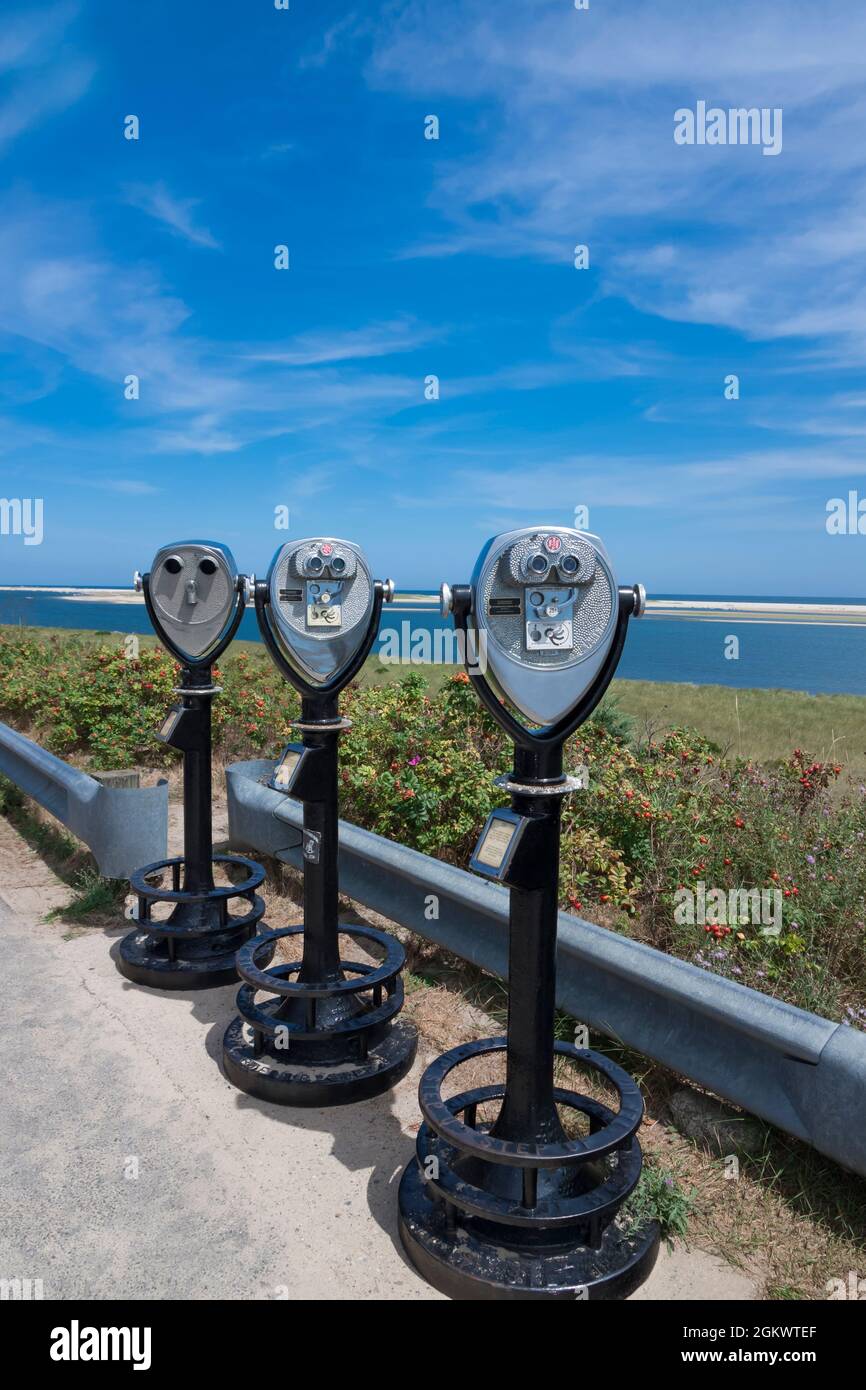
(197, 945)
(465, 1263)
(486, 1215)
(336, 1083)
(321, 1042)
(144, 959)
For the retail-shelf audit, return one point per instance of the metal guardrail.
(124, 827)
(795, 1070)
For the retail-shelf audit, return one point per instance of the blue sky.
(409, 258)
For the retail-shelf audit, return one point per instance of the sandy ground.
(133, 1169)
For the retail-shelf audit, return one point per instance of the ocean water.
(787, 656)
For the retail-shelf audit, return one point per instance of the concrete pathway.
(132, 1169)
(26, 883)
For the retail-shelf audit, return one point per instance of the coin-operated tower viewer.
(195, 600)
(526, 1203)
(329, 1033)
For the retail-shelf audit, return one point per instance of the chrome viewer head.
(544, 605)
(321, 597)
(194, 595)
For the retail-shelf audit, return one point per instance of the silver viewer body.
(321, 596)
(544, 601)
(194, 593)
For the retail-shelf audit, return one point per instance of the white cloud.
(107, 319)
(176, 213)
(575, 143)
(131, 487)
(30, 102)
(25, 35)
(374, 340)
(46, 76)
(343, 31)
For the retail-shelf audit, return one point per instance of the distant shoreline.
(742, 611)
(825, 614)
(77, 595)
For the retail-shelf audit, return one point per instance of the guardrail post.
(118, 824)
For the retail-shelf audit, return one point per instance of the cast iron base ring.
(329, 1042)
(195, 947)
(482, 1218)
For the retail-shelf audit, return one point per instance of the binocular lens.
(207, 566)
(569, 564)
(538, 564)
(315, 565)
(174, 564)
(338, 564)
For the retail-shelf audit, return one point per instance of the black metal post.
(528, 1111)
(195, 947)
(321, 958)
(329, 1035)
(521, 1208)
(197, 696)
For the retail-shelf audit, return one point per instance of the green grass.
(94, 899)
(11, 799)
(659, 1197)
(761, 724)
(765, 725)
(376, 672)
(52, 843)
